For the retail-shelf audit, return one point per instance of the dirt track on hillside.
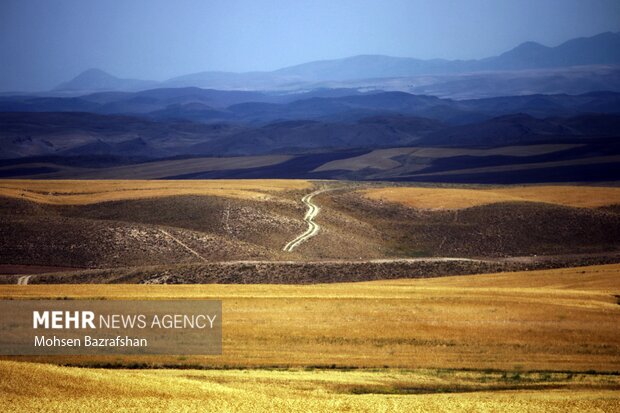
(313, 227)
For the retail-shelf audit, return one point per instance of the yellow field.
(564, 319)
(408, 342)
(35, 387)
(71, 192)
(455, 198)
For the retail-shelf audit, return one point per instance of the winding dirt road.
(313, 227)
(23, 280)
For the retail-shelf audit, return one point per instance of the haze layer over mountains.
(365, 117)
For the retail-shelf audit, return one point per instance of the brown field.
(36, 387)
(152, 170)
(611, 161)
(71, 192)
(382, 159)
(562, 319)
(458, 198)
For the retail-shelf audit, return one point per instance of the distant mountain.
(191, 111)
(504, 130)
(94, 80)
(87, 134)
(83, 134)
(520, 128)
(216, 106)
(602, 49)
(573, 80)
(299, 136)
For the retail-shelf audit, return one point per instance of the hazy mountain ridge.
(602, 49)
(97, 79)
(313, 123)
(65, 134)
(213, 106)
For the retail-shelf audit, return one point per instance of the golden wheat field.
(527, 341)
(39, 387)
(71, 192)
(459, 198)
(565, 319)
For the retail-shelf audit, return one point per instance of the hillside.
(506, 149)
(234, 231)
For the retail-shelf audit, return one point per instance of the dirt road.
(313, 227)
(23, 280)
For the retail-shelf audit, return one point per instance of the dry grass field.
(526, 341)
(384, 159)
(458, 198)
(162, 169)
(36, 387)
(132, 224)
(71, 192)
(565, 319)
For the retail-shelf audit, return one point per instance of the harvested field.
(383, 159)
(560, 320)
(71, 192)
(457, 198)
(570, 170)
(70, 389)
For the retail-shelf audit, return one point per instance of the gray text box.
(93, 327)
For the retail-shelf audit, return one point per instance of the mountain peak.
(530, 46)
(94, 72)
(525, 50)
(97, 80)
(90, 79)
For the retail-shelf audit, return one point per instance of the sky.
(46, 42)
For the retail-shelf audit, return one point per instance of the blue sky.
(44, 42)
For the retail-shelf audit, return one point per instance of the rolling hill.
(216, 106)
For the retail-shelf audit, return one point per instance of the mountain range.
(326, 105)
(506, 149)
(532, 114)
(599, 50)
(380, 120)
